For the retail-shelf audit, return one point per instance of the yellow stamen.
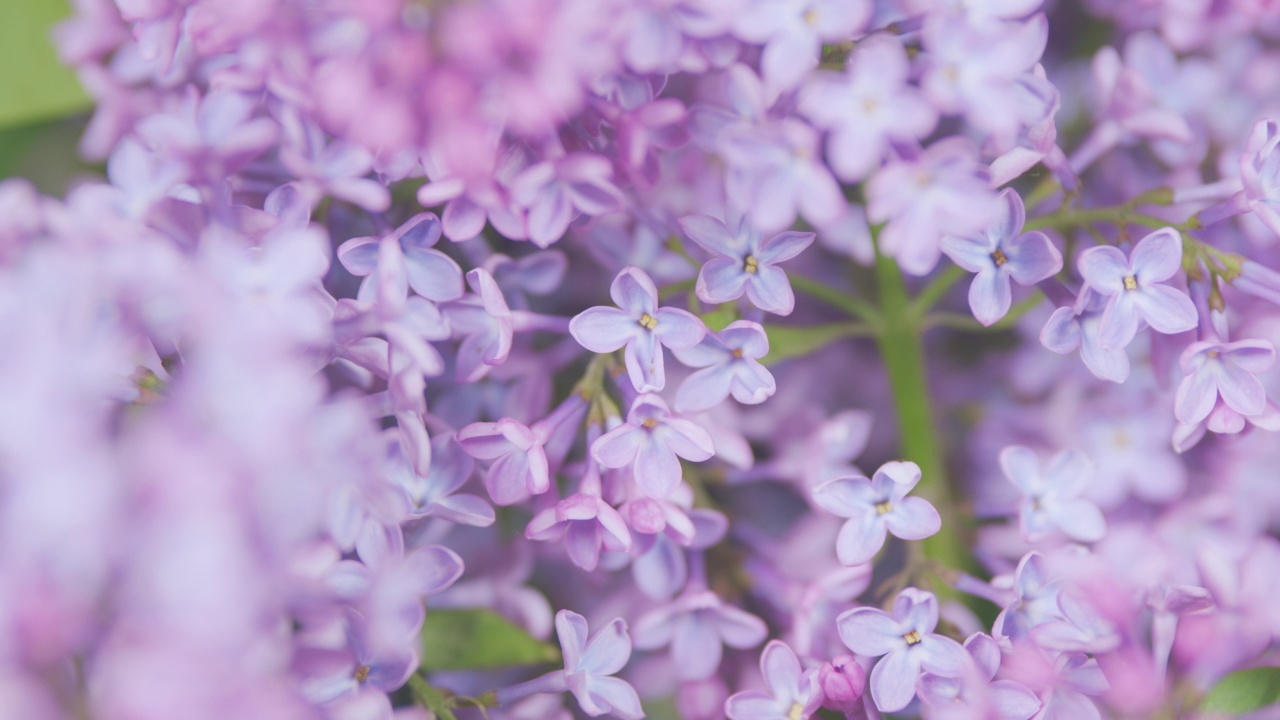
(1130, 282)
(796, 712)
(736, 353)
(884, 507)
(912, 637)
(648, 322)
(999, 258)
(750, 264)
(362, 673)
(649, 423)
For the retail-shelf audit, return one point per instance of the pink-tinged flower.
(1134, 290)
(213, 136)
(1000, 253)
(908, 644)
(1221, 378)
(519, 468)
(1051, 498)
(776, 171)
(651, 441)
(338, 168)
(875, 508)
(1034, 600)
(640, 325)
(431, 273)
(793, 32)
(1062, 681)
(977, 695)
(794, 693)
(943, 191)
(867, 108)
(554, 192)
(743, 263)
(729, 365)
(485, 324)
(843, 682)
(697, 625)
(584, 523)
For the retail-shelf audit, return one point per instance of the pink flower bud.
(843, 680)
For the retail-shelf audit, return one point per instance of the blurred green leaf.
(717, 319)
(1244, 691)
(477, 640)
(33, 84)
(789, 341)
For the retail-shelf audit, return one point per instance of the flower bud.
(843, 680)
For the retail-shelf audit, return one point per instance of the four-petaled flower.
(728, 362)
(794, 693)
(744, 263)
(1215, 370)
(1052, 498)
(1133, 286)
(650, 441)
(640, 325)
(697, 625)
(908, 644)
(589, 663)
(876, 507)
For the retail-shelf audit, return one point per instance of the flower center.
(1213, 353)
(362, 673)
(1130, 282)
(913, 637)
(796, 712)
(649, 423)
(647, 321)
(883, 507)
(736, 353)
(750, 264)
(999, 258)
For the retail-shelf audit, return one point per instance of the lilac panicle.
(640, 325)
(907, 643)
(875, 508)
(793, 691)
(744, 263)
(1134, 288)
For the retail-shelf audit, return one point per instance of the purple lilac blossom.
(729, 362)
(793, 691)
(1051, 498)
(744, 263)
(651, 442)
(875, 508)
(1134, 290)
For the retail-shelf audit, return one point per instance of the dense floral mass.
(512, 358)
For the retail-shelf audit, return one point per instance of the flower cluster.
(512, 358)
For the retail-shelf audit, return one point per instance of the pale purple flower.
(1076, 327)
(793, 32)
(486, 325)
(1217, 374)
(213, 136)
(942, 191)
(554, 192)
(1051, 498)
(336, 168)
(1034, 600)
(976, 695)
(431, 273)
(793, 692)
(908, 644)
(584, 523)
(1260, 172)
(365, 666)
(744, 263)
(697, 625)
(867, 108)
(640, 325)
(729, 365)
(520, 466)
(651, 441)
(776, 171)
(1000, 253)
(1134, 289)
(435, 492)
(875, 508)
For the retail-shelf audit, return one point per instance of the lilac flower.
(1217, 374)
(1034, 600)
(585, 523)
(486, 325)
(1076, 327)
(867, 108)
(337, 168)
(1133, 287)
(793, 32)
(554, 192)
(435, 492)
(1000, 253)
(519, 466)
(697, 626)
(793, 694)
(729, 364)
(651, 441)
(743, 263)
(875, 508)
(908, 644)
(1260, 172)
(943, 191)
(431, 273)
(213, 136)
(843, 682)
(640, 325)
(589, 664)
(776, 171)
(1052, 497)
(977, 694)
(365, 666)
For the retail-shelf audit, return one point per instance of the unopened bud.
(843, 681)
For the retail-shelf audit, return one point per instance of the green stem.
(903, 352)
(836, 298)
(934, 291)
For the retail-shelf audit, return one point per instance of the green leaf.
(717, 319)
(478, 640)
(789, 341)
(1244, 691)
(33, 84)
